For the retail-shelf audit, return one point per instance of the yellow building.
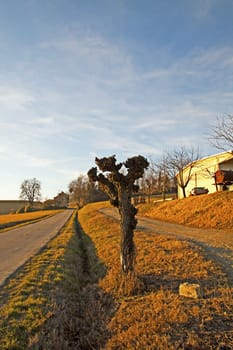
(203, 173)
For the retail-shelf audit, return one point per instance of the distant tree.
(78, 190)
(222, 133)
(118, 181)
(83, 191)
(149, 182)
(180, 159)
(61, 200)
(165, 176)
(30, 190)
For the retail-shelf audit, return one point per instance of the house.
(60, 201)
(215, 173)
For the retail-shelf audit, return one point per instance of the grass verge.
(53, 302)
(26, 300)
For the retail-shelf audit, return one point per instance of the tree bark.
(184, 193)
(128, 224)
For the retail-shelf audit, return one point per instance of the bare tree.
(165, 176)
(78, 190)
(82, 191)
(222, 133)
(31, 190)
(148, 183)
(180, 160)
(156, 178)
(119, 184)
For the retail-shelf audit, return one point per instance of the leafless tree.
(157, 177)
(148, 184)
(166, 176)
(178, 161)
(119, 183)
(82, 191)
(222, 133)
(78, 190)
(30, 190)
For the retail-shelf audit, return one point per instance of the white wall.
(203, 172)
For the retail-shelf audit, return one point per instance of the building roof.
(227, 155)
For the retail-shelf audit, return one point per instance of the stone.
(190, 290)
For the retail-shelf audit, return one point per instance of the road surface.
(19, 244)
(217, 244)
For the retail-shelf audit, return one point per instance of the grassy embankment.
(8, 221)
(205, 211)
(72, 295)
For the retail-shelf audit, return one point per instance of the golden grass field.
(207, 211)
(73, 296)
(10, 220)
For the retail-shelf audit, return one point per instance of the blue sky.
(86, 78)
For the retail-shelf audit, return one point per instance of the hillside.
(72, 295)
(207, 211)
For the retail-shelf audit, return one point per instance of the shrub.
(20, 210)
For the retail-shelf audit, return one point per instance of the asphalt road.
(19, 244)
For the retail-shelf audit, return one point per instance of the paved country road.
(217, 244)
(19, 244)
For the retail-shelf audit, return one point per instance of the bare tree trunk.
(120, 187)
(128, 223)
(184, 193)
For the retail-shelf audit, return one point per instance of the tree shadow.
(82, 309)
(74, 311)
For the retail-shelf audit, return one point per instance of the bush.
(29, 209)
(20, 210)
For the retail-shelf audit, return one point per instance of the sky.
(87, 78)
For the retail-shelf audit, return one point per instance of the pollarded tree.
(30, 190)
(119, 183)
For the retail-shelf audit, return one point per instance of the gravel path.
(217, 244)
(19, 244)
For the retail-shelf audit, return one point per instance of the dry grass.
(212, 210)
(9, 220)
(151, 314)
(27, 299)
(53, 302)
(73, 295)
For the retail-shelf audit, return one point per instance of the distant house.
(214, 173)
(60, 201)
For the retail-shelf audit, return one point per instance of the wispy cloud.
(92, 53)
(202, 8)
(197, 64)
(15, 99)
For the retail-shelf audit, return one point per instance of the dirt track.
(217, 244)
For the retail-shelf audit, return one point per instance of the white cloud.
(15, 99)
(41, 121)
